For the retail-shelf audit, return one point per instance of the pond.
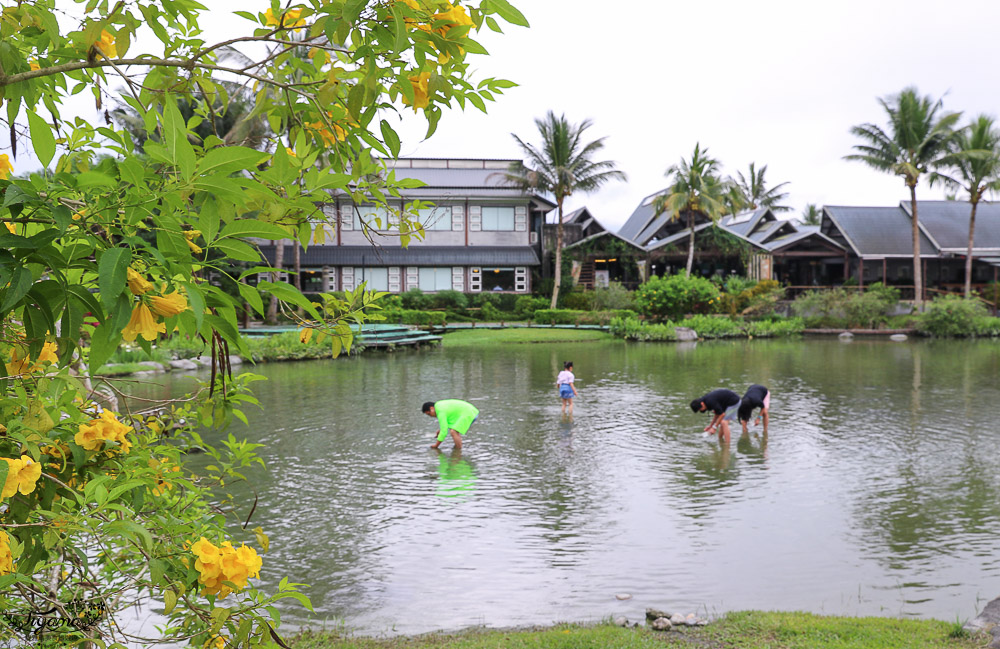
(876, 491)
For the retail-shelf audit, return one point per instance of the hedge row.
(574, 317)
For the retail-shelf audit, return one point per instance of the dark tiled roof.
(640, 219)
(878, 231)
(412, 256)
(744, 223)
(598, 235)
(947, 222)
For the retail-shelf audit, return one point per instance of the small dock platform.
(375, 335)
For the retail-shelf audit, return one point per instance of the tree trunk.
(918, 275)
(968, 256)
(690, 244)
(559, 246)
(279, 262)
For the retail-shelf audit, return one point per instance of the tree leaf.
(20, 284)
(169, 601)
(42, 139)
(509, 13)
(103, 343)
(391, 138)
(254, 228)
(111, 273)
(225, 160)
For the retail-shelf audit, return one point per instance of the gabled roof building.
(481, 235)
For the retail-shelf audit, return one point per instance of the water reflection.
(456, 477)
(875, 492)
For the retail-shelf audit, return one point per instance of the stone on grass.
(661, 624)
(652, 614)
(677, 619)
(621, 620)
(235, 360)
(989, 622)
(153, 366)
(184, 364)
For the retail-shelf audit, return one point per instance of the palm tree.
(696, 190)
(916, 141)
(812, 215)
(563, 164)
(975, 168)
(756, 193)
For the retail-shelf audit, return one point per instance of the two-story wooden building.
(481, 235)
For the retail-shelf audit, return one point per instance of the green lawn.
(482, 337)
(741, 630)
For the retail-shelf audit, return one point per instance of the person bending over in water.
(757, 396)
(723, 403)
(454, 416)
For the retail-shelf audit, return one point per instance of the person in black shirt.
(724, 404)
(757, 396)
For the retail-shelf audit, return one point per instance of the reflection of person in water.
(456, 476)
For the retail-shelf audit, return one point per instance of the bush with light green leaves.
(116, 241)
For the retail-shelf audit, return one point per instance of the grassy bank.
(744, 630)
(492, 337)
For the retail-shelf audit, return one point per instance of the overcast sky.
(776, 82)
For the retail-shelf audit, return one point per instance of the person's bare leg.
(564, 406)
(456, 438)
(766, 416)
(724, 435)
(744, 424)
(570, 401)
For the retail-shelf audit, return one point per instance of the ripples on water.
(876, 491)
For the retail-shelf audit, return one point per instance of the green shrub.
(987, 326)
(888, 294)
(615, 296)
(578, 300)
(577, 317)
(736, 284)
(414, 317)
(776, 328)
(951, 316)
(557, 316)
(449, 299)
(490, 313)
(415, 299)
(183, 347)
(713, 327)
(481, 299)
(526, 305)
(671, 297)
(630, 328)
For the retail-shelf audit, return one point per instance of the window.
(498, 279)
(435, 279)
(498, 218)
(435, 218)
(377, 278)
(369, 214)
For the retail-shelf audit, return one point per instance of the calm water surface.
(877, 491)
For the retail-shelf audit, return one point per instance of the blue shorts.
(565, 391)
(732, 412)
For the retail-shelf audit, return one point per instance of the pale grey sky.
(777, 82)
